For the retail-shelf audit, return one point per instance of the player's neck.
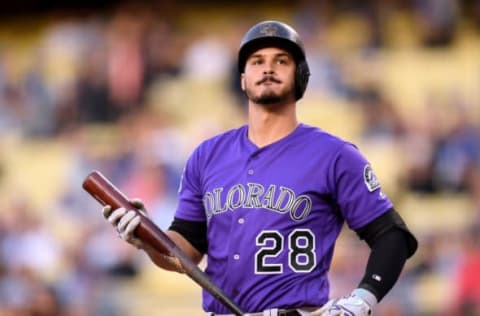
(266, 126)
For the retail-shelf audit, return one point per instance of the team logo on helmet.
(269, 30)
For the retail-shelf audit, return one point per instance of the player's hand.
(126, 221)
(351, 305)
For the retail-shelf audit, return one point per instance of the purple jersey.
(273, 213)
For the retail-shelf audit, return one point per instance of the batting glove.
(359, 303)
(126, 221)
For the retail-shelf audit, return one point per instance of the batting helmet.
(277, 34)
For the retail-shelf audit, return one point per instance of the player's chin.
(273, 99)
(268, 95)
(264, 98)
(270, 100)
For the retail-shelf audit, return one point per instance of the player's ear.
(242, 81)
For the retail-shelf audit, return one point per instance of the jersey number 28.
(301, 251)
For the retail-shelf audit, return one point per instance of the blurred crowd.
(131, 89)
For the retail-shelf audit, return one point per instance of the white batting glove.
(126, 221)
(359, 303)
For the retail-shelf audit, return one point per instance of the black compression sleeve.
(391, 244)
(386, 261)
(384, 223)
(194, 232)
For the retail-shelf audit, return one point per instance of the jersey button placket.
(250, 170)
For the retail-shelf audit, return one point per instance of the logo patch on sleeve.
(370, 179)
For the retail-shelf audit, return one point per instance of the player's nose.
(268, 70)
(268, 67)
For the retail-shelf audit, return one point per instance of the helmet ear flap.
(302, 74)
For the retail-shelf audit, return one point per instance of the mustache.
(268, 78)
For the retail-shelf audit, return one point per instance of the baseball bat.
(100, 188)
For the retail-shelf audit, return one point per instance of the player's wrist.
(365, 295)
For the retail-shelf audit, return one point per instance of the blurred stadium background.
(129, 88)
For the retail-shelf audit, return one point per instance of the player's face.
(269, 76)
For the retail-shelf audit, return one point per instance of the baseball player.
(266, 202)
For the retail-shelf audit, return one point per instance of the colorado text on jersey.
(254, 196)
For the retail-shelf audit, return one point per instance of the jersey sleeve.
(190, 204)
(357, 189)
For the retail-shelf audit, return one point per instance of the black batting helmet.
(278, 34)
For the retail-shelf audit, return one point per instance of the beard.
(269, 97)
